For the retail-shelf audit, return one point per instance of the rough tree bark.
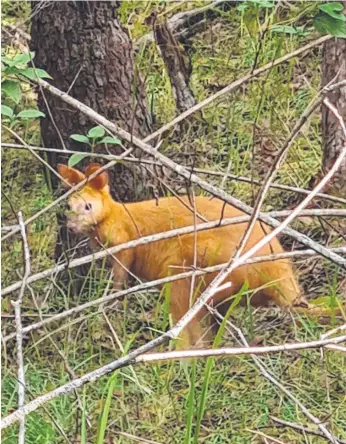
(177, 64)
(86, 50)
(334, 66)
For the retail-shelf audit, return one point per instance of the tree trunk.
(177, 63)
(89, 54)
(334, 68)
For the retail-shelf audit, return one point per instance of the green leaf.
(242, 6)
(8, 61)
(327, 301)
(30, 114)
(103, 420)
(76, 158)
(79, 138)
(326, 24)
(334, 10)
(23, 59)
(284, 29)
(96, 132)
(110, 140)
(6, 111)
(263, 3)
(12, 89)
(33, 73)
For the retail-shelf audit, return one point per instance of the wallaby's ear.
(71, 175)
(100, 181)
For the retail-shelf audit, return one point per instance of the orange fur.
(113, 223)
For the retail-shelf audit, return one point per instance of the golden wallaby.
(93, 211)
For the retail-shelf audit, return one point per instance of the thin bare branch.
(281, 387)
(179, 21)
(173, 333)
(160, 236)
(332, 332)
(301, 428)
(158, 283)
(276, 166)
(224, 175)
(192, 178)
(236, 351)
(19, 330)
(234, 85)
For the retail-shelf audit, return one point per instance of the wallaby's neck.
(116, 227)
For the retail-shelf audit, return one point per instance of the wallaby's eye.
(88, 206)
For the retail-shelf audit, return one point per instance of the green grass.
(218, 400)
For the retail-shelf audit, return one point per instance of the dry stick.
(273, 185)
(40, 159)
(61, 198)
(19, 330)
(273, 171)
(332, 332)
(177, 21)
(267, 439)
(278, 162)
(231, 351)
(235, 85)
(68, 193)
(180, 170)
(157, 283)
(225, 175)
(137, 439)
(285, 390)
(173, 333)
(69, 369)
(215, 191)
(214, 287)
(135, 357)
(164, 235)
(339, 348)
(301, 428)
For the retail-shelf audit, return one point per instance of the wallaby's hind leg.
(179, 305)
(283, 289)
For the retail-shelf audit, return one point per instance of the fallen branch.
(301, 428)
(158, 283)
(234, 85)
(235, 351)
(19, 330)
(179, 21)
(160, 236)
(192, 178)
(195, 170)
(215, 286)
(280, 386)
(137, 356)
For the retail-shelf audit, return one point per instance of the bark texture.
(334, 67)
(86, 50)
(89, 54)
(177, 64)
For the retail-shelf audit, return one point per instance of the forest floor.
(163, 402)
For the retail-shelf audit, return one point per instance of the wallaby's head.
(90, 205)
